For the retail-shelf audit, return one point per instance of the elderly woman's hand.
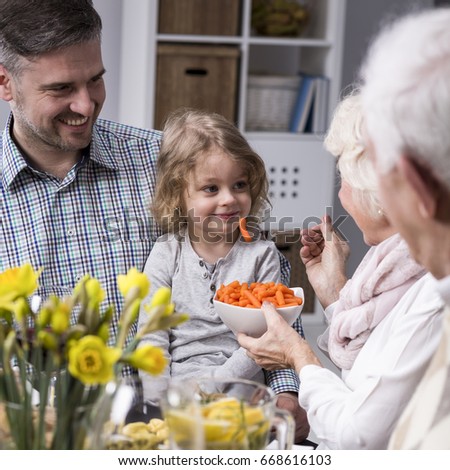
(324, 255)
(280, 347)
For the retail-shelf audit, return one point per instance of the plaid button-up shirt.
(95, 221)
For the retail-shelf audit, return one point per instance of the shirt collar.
(13, 161)
(101, 153)
(443, 287)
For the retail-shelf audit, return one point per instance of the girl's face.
(217, 194)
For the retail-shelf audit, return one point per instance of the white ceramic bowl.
(251, 321)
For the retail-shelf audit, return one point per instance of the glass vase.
(51, 411)
(123, 421)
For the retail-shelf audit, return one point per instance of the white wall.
(111, 13)
(4, 111)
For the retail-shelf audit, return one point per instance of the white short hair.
(406, 92)
(344, 140)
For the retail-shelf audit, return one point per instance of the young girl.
(208, 178)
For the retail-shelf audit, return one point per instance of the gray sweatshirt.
(203, 346)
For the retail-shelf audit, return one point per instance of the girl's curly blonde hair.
(188, 136)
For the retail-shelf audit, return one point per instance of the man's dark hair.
(29, 28)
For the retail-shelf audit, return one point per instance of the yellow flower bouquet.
(53, 372)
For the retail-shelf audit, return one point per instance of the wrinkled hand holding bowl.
(251, 321)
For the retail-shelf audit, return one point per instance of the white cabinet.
(300, 171)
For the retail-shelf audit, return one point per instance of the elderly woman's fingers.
(329, 231)
(280, 347)
(312, 234)
(247, 342)
(268, 350)
(310, 251)
(270, 314)
(272, 318)
(333, 237)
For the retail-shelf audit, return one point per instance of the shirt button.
(211, 300)
(213, 287)
(201, 263)
(70, 232)
(204, 275)
(79, 277)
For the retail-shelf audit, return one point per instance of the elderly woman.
(383, 323)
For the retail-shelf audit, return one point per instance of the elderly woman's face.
(373, 228)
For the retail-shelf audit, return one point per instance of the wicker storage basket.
(198, 76)
(210, 17)
(270, 101)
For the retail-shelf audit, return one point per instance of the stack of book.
(310, 110)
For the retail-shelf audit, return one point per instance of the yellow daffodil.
(19, 282)
(133, 278)
(103, 332)
(48, 340)
(148, 358)
(21, 309)
(60, 318)
(91, 361)
(44, 316)
(55, 313)
(94, 291)
(162, 297)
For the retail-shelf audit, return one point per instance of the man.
(75, 189)
(406, 98)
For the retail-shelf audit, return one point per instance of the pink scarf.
(383, 277)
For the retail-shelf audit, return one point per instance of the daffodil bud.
(94, 291)
(148, 358)
(103, 331)
(60, 319)
(48, 340)
(21, 309)
(43, 317)
(133, 278)
(161, 297)
(169, 310)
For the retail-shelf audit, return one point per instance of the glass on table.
(221, 414)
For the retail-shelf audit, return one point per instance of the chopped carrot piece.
(252, 295)
(243, 228)
(280, 298)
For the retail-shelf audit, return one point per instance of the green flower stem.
(45, 383)
(18, 405)
(74, 405)
(127, 317)
(65, 402)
